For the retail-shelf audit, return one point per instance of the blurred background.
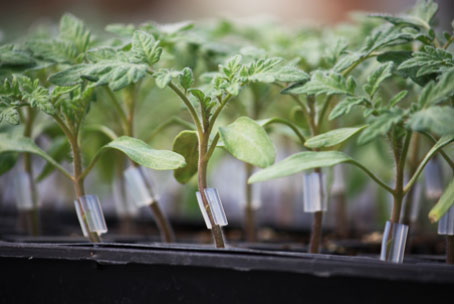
(22, 13)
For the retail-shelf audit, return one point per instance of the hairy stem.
(316, 233)
(412, 166)
(249, 219)
(216, 230)
(33, 215)
(79, 184)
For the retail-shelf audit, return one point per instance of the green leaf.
(381, 125)
(58, 150)
(74, 30)
(246, 140)
(10, 143)
(270, 70)
(36, 95)
(186, 78)
(428, 60)
(332, 138)
(164, 76)
(116, 74)
(438, 120)
(435, 93)
(398, 57)
(442, 142)
(10, 115)
(145, 48)
(144, 155)
(344, 107)
(7, 161)
(324, 83)
(187, 144)
(397, 98)
(420, 16)
(444, 203)
(299, 162)
(377, 77)
(9, 57)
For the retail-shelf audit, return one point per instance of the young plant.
(69, 104)
(245, 139)
(394, 119)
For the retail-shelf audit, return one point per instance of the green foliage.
(439, 91)
(144, 155)
(246, 140)
(436, 120)
(300, 162)
(115, 74)
(381, 125)
(9, 143)
(420, 16)
(324, 83)
(346, 105)
(444, 203)
(186, 144)
(429, 60)
(332, 138)
(145, 48)
(376, 78)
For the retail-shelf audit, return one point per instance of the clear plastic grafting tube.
(24, 200)
(393, 243)
(434, 179)
(215, 204)
(139, 186)
(314, 192)
(446, 223)
(124, 204)
(338, 186)
(88, 206)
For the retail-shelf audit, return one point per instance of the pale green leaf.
(332, 138)
(145, 48)
(435, 93)
(74, 30)
(10, 115)
(164, 76)
(345, 106)
(246, 140)
(144, 155)
(438, 120)
(444, 203)
(381, 125)
(186, 78)
(324, 83)
(10, 143)
(429, 60)
(377, 77)
(299, 162)
(115, 74)
(187, 144)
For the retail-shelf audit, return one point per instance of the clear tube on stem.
(434, 179)
(124, 203)
(215, 204)
(446, 223)
(314, 192)
(393, 243)
(24, 199)
(137, 180)
(90, 207)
